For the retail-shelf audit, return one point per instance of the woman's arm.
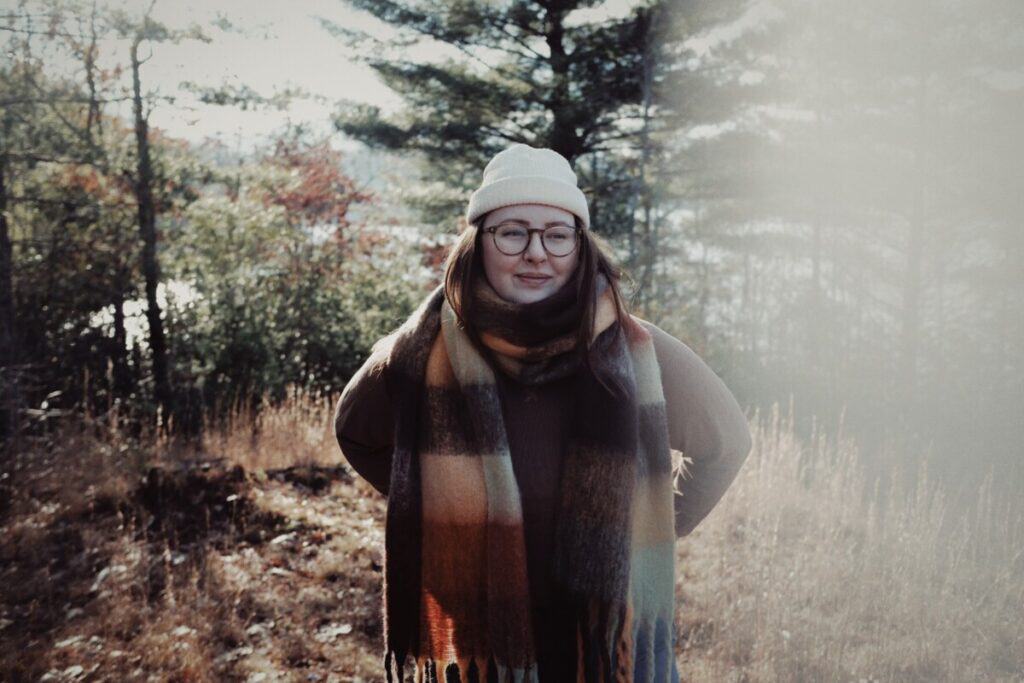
(705, 422)
(364, 423)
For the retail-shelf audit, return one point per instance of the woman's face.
(534, 274)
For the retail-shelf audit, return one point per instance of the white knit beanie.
(521, 174)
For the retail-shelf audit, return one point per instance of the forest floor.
(116, 565)
(203, 573)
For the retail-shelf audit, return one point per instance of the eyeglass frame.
(493, 229)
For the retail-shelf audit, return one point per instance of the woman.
(520, 424)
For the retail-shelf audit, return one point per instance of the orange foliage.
(323, 193)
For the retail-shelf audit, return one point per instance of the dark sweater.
(704, 420)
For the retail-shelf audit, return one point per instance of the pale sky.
(281, 45)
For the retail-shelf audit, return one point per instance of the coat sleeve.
(363, 424)
(705, 422)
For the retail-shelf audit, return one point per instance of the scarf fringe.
(638, 649)
(605, 644)
(430, 670)
(655, 651)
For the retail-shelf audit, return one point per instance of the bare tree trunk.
(815, 336)
(703, 296)
(122, 379)
(90, 78)
(940, 377)
(564, 138)
(747, 308)
(910, 335)
(650, 247)
(9, 355)
(147, 230)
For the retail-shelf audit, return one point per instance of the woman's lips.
(533, 279)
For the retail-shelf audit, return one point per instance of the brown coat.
(705, 422)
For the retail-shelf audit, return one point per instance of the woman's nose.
(535, 248)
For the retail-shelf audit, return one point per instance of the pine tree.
(530, 72)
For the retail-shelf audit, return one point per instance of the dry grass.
(297, 431)
(264, 573)
(109, 573)
(797, 576)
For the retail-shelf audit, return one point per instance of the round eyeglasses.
(512, 239)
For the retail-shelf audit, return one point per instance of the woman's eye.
(514, 233)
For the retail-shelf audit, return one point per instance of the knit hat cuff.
(528, 190)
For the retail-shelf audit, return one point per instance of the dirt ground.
(203, 572)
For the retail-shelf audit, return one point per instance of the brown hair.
(464, 264)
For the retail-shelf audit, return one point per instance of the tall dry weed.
(295, 431)
(805, 572)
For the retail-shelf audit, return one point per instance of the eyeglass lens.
(511, 239)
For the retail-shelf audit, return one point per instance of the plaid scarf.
(456, 597)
